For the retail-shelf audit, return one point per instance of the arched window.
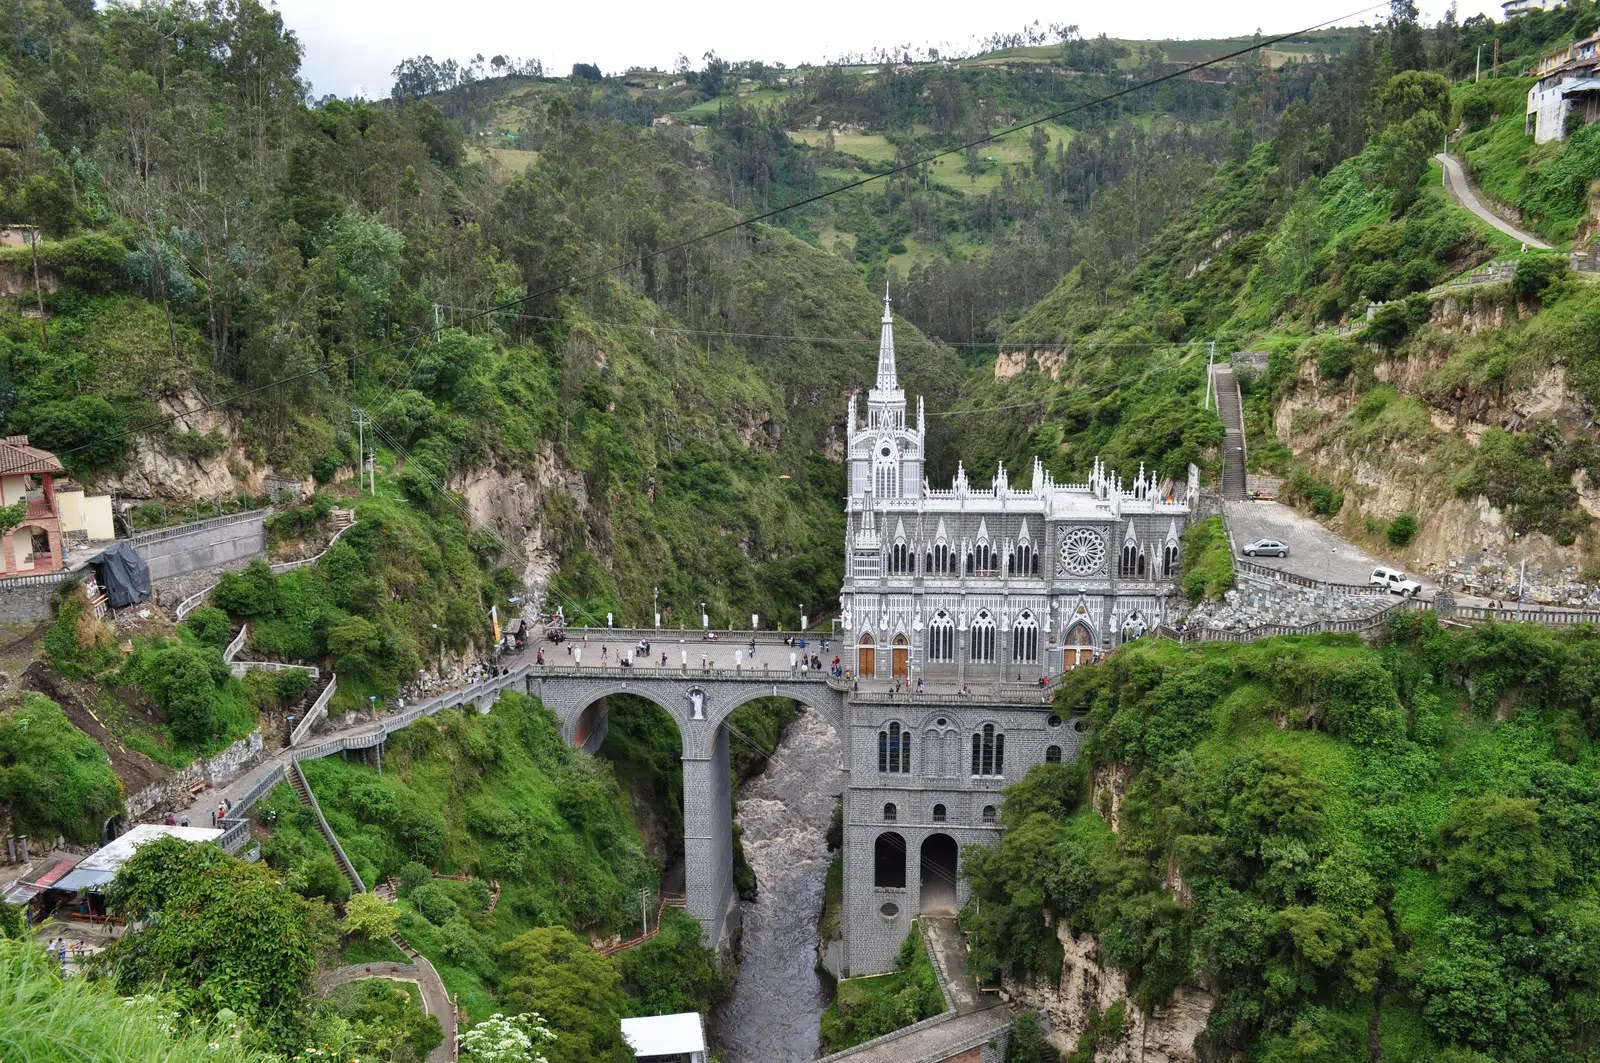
(886, 472)
(941, 638)
(988, 813)
(894, 750)
(941, 749)
(1130, 561)
(899, 558)
(970, 563)
(988, 751)
(938, 813)
(1052, 754)
(1169, 560)
(982, 560)
(1025, 639)
(1033, 566)
(890, 813)
(939, 559)
(1011, 563)
(981, 639)
(1140, 565)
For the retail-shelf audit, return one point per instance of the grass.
(508, 162)
(950, 172)
(830, 926)
(870, 1007)
(45, 1018)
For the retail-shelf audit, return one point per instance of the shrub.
(1536, 273)
(1389, 325)
(211, 626)
(1401, 530)
(1207, 561)
(369, 916)
(250, 592)
(1316, 493)
(432, 901)
(411, 876)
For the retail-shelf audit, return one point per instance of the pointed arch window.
(1140, 565)
(894, 750)
(899, 558)
(886, 472)
(1025, 639)
(1169, 560)
(941, 638)
(988, 751)
(1130, 560)
(981, 639)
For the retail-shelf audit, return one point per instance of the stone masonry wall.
(207, 544)
(173, 790)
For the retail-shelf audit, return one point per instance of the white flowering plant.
(507, 1039)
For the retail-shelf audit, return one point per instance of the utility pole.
(644, 909)
(1494, 68)
(1477, 69)
(1211, 359)
(361, 447)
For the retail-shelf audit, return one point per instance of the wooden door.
(899, 657)
(1079, 648)
(866, 658)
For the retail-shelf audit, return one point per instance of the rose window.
(1082, 552)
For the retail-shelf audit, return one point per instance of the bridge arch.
(700, 705)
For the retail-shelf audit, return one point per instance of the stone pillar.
(708, 836)
(1444, 604)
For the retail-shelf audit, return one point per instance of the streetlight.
(655, 602)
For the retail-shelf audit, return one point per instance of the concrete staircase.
(302, 789)
(1233, 453)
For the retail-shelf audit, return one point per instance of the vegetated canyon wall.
(1085, 988)
(1409, 461)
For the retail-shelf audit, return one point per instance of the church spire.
(886, 374)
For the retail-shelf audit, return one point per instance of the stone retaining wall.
(173, 791)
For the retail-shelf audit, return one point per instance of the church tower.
(885, 452)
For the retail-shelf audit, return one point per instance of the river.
(784, 813)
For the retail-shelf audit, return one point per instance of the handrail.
(318, 710)
(782, 673)
(43, 579)
(236, 824)
(390, 724)
(236, 645)
(1266, 631)
(327, 831)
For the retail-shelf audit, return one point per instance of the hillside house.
(1513, 8)
(28, 474)
(18, 235)
(1569, 83)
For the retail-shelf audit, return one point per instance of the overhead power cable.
(722, 230)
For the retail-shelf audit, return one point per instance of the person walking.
(183, 821)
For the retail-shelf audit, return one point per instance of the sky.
(352, 45)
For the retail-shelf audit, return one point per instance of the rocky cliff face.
(152, 472)
(514, 504)
(1166, 1035)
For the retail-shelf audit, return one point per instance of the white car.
(1395, 582)
(1270, 547)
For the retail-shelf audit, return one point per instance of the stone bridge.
(699, 698)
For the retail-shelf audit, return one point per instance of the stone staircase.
(1233, 453)
(302, 789)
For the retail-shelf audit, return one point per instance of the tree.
(586, 72)
(502, 1039)
(1493, 848)
(671, 972)
(221, 933)
(555, 973)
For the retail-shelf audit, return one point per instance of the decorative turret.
(886, 374)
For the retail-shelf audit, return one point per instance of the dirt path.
(1455, 179)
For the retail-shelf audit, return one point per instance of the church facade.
(994, 582)
(988, 588)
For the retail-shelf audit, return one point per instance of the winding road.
(1455, 179)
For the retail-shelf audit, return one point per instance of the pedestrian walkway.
(947, 950)
(1228, 409)
(1455, 179)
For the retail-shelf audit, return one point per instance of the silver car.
(1267, 547)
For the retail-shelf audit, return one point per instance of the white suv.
(1395, 582)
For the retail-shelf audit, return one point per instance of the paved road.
(1314, 551)
(930, 1042)
(1455, 179)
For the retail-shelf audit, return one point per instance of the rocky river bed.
(783, 812)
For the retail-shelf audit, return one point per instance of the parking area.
(1314, 551)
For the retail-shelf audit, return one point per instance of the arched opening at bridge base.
(939, 859)
(642, 742)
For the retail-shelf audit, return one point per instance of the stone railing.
(1491, 273)
(1358, 626)
(318, 710)
(305, 562)
(676, 635)
(159, 534)
(1280, 576)
(1448, 609)
(327, 831)
(239, 668)
(236, 645)
(691, 670)
(45, 579)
